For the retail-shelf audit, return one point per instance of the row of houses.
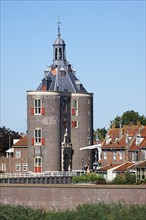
(123, 149)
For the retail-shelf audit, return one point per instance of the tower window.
(55, 53)
(37, 106)
(75, 124)
(37, 136)
(76, 106)
(60, 53)
(38, 164)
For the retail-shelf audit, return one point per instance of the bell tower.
(59, 53)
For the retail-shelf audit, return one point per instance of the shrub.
(127, 178)
(89, 177)
(130, 178)
(119, 179)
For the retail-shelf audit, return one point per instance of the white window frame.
(76, 124)
(4, 167)
(18, 167)
(37, 136)
(134, 156)
(38, 162)
(18, 154)
(37, 106)
(104, 155)
(25, 166)
(76, 104)
(120, 154)
(114, 155)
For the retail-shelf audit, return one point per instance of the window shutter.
(43, 111)
(73, 111)
(32, 111)
(43, 141)
(73, 124)
(32, 141)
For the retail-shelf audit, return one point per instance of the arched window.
(55, 53)
(60, 53)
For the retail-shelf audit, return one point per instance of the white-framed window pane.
(18, 153)
(114, 155)
(38, 162)
(3, 167)
(120, 154)
(37, 136)
(37, 106)
(135, 156)
(76, 106)
(18, 166)
(104, 155)
(25, 167)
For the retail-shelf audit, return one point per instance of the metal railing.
(44, 174)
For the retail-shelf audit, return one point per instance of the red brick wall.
(69, 196)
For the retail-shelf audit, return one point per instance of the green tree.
(101, 133)
(6, 139)
(128, 117)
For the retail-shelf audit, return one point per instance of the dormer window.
(138, 139)
(108, 139)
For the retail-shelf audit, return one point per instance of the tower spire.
(58, 26)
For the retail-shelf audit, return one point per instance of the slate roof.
(68, 83)
(60, 76)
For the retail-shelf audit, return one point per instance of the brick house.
(16, 159)
(124, 144)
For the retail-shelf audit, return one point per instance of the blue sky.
(105, 43)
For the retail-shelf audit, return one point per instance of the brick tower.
(59, 118)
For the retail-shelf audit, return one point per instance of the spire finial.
(58, 26)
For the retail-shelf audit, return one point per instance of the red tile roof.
(107, 167)
(138, 147)
(21, 142)
(143, 132)
(118, 136)
(124, 167)
(141, 164)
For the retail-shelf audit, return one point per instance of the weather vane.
(58, 25)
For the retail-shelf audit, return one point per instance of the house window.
(114, 155)
(104, 155)
(135, 156)
(37, 136)
(37, 106)
(18, 153)
(3, 166)
(120, 154)
(25, 167)
(18, 166)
